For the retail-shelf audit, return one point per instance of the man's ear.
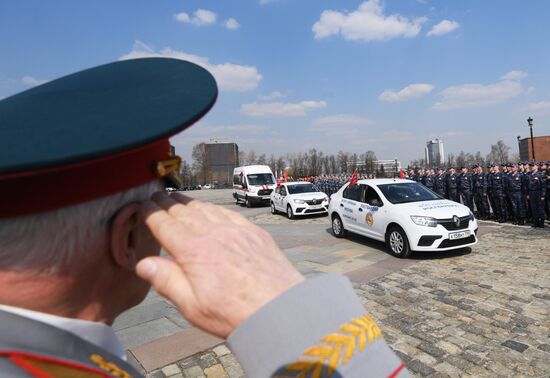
(124, 227)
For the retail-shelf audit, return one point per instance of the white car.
(298, 198)
(404, 214)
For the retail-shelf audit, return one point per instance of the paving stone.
(206, 360)
(171, 370)
(544, 347)
(155, 374)
(514, 345)
(420, 368)
(221, 350)
(215, 371)
(189, 362)
(193, 372)
(431, 349)
(232, 366)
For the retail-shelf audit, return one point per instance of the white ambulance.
(253, 184)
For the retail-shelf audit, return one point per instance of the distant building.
(542, 148)
(433, 152)
(222, 159)
(391, 167)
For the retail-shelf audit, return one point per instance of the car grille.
(315, 201)
(311, 211)
(455, 243)
(264, 192)
(450, 225)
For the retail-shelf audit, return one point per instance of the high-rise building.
(434, 152)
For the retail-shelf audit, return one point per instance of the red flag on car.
(401, 174)
(354, 178)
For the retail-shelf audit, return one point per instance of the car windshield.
(302, 188)
(261, 179)
(407, 192)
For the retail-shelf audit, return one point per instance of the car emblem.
(456, 220)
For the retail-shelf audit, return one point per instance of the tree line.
(314, 162)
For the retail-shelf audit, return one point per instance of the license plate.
(315, 206)
(459, 235)
(266, 198)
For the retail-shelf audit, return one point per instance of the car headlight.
(299, 201)
(325, 199)
(424, 221)
(472, 217)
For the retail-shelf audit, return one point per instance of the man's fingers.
(168, 279)
(172, 234)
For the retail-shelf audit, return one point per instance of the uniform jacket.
(479, 183)
(536, 183)
(29, 348)
(464, 183)
(320, 314)
(514, 182)
(452, 182)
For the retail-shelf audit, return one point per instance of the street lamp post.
(519, 146)
(530, 123)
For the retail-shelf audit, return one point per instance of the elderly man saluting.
(82, 221)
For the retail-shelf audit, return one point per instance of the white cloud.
(272, 96)
(479, 95)
(543, 105)
(31, 81)
(443, 27)
(201, 17)
(341, 125)
(409, 92)
(182, 17)
(367, 23)
(229, 76)
(514, 75)
(280, 109)
(232, 24)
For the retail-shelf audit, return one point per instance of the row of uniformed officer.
(508, 192)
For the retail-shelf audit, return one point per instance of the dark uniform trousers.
(514, 188)
(30, 348)
(537, 190)
(497, 185)
(465, 190)
(452, 188)
(480, 195)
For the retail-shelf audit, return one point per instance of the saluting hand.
(224, 268)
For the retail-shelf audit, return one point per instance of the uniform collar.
(96, 333)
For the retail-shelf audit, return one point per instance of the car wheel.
(397, 242)
(273, 209)
(338, 227)
(289, 212)
(247, 202)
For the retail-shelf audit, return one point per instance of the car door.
(282, 196)
(349, 207)
(372, 218)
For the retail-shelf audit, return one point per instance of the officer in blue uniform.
(479, 182)
(452, 185)
(465, 188)
(496, 184)
(514, 185)
(440, 183)
(429, 179)
(545, 170)
(536, 188)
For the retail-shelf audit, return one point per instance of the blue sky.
(297, 74)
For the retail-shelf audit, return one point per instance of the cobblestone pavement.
(478, 313)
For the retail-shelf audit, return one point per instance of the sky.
(298, 74)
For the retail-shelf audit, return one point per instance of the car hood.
(442, 209)
(308, 196)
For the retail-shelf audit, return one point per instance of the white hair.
(52, 241)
